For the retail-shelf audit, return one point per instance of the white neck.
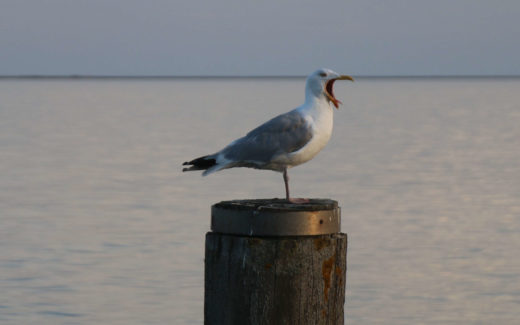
(313, 102)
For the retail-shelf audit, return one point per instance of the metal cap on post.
(275, 217)
(269, 261)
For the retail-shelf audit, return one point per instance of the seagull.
(285, 141)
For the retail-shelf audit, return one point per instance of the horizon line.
(93, 76)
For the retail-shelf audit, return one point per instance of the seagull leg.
(286, 181)
(287, 196)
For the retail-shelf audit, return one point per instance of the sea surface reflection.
(99, 226)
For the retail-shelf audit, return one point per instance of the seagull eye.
(323, 74)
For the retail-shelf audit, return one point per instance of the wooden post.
(272, 262)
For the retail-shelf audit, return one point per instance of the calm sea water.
(99, 226)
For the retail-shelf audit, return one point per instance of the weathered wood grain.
(275, 280)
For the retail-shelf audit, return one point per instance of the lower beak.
(333, 99)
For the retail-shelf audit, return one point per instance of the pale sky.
(245, 37)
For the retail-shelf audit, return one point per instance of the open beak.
(329, 89)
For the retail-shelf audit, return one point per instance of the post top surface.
(276, 217)
(280, 205)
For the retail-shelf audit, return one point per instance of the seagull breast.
(319, 116)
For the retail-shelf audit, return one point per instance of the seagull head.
(321, 82)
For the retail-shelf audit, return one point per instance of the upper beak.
(345, 77)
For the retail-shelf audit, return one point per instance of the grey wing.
(285, 133)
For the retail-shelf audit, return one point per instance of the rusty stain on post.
(326, 271)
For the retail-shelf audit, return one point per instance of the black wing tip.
(201, 163)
